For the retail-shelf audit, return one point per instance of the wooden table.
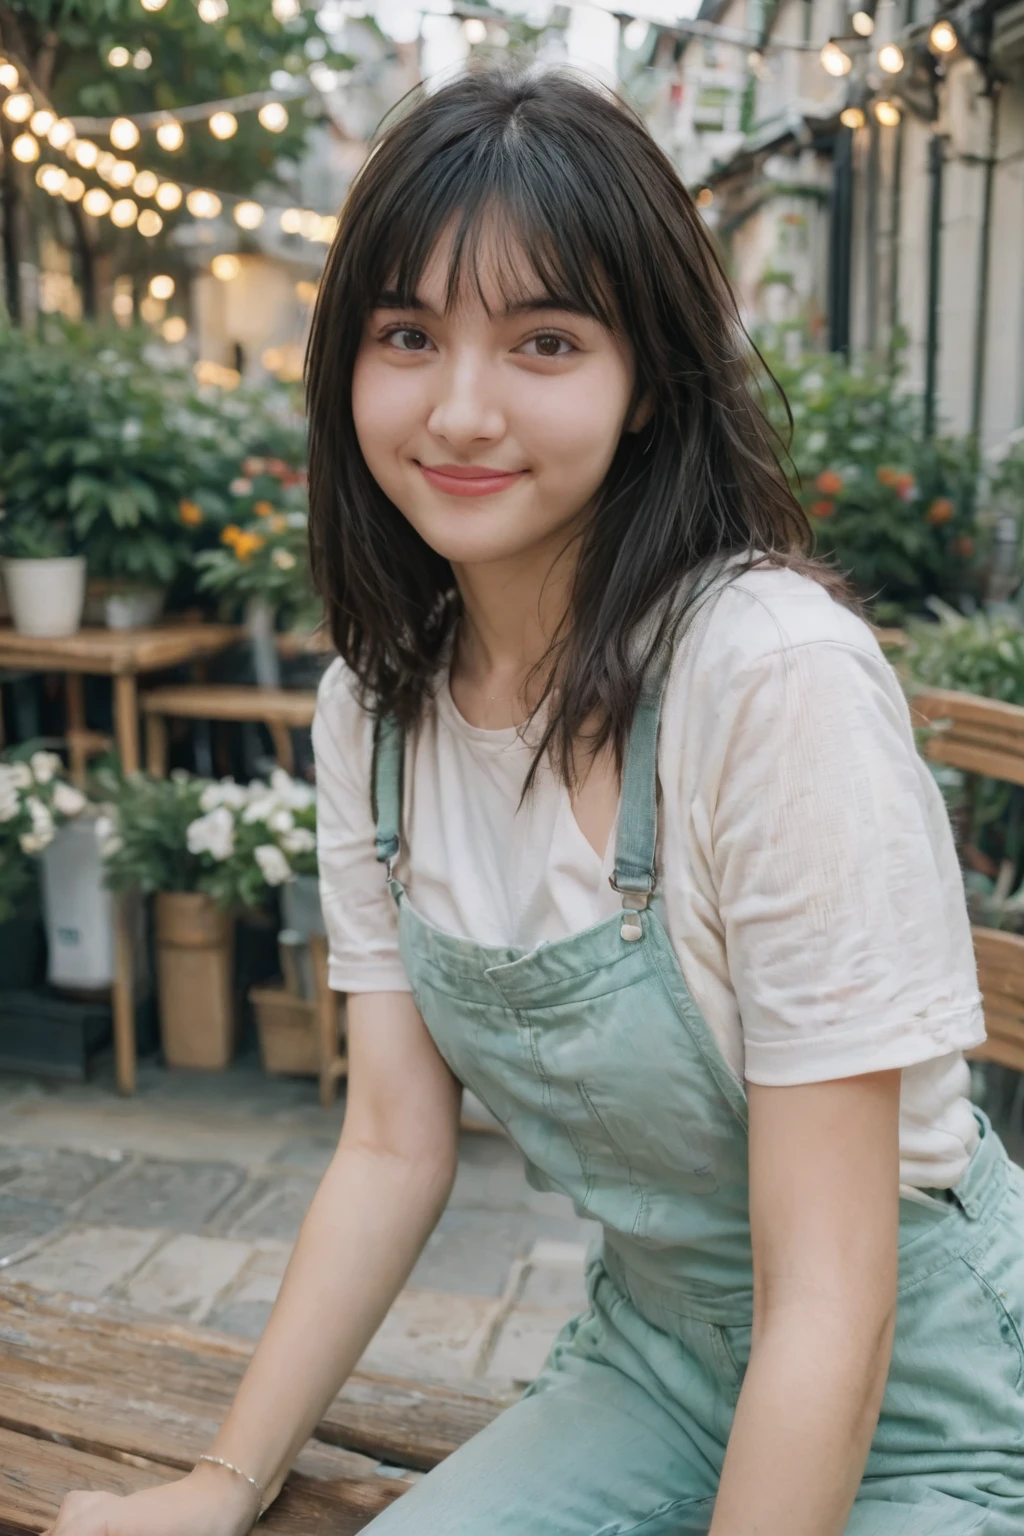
(94, 1397)
(121, 654)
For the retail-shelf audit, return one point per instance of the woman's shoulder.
(343, 727)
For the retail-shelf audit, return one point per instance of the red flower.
(940, 511)
(829, 483)
(823, 508)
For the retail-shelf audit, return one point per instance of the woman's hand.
(209, 1502)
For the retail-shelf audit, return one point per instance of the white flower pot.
(133, 609)
(46, 596)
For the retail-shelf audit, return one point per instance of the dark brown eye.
(408, 340)
(548, 346)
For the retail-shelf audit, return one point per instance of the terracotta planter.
(195, 948)
(287, 1028)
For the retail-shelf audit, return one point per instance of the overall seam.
(634, 1185)
(672, 1507)
(1004, 1315)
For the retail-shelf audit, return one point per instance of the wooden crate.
(975, 734)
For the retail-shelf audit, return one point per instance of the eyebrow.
(531, 305)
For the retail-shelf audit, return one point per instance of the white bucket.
(46, 597)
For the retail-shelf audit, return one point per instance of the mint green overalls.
(594, 1057)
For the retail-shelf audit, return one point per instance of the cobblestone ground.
(184, 1201)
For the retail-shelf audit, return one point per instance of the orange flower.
(277, 467)
(254, 467)
(886, 475)
(823, 508)
(231, 535)
(964, 546)
(829, 483)
(904, 482)
(278, 523)
(247, 544)
(264, 508)
(191, 513)
(940, 511)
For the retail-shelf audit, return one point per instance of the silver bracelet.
(229, 1466)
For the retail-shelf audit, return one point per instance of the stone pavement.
(184, 1201)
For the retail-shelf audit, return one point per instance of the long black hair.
(573, 177)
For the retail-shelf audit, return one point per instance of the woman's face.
(490, 427)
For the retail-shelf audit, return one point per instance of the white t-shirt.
(810, 883)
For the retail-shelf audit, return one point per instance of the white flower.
(241, 486)
(42, 820)
(9, 800)
(31, 842)
(281, 820)
(813, 382)
(274, 867)
(283, 559)
(261, 808)
(226, 792)
(299, 840)
(291, 792)
(107, 836)
(816, 441)
(213, 834)
(44, 765)
(67, 800)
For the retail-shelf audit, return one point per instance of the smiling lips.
(470, 479)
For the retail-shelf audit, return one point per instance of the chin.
(474, 534)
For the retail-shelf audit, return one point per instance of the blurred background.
(172, 1060)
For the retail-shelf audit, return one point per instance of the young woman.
(623, 826)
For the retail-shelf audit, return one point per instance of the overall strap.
(636, 844)
(386, 788)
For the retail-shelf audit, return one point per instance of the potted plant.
(203, 851)
(36, 801)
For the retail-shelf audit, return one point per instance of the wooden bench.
(279, 709)
(93, 1396)
(984, 736)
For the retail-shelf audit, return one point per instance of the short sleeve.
(840, 895)
(359, 913)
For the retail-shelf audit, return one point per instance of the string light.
(285, 10)
(19, 107)
(124, 213)
(51, 178)
(290, 221)
(25, 148)
(97, 202)
(9, 77)
(852, 117)
(123, 133)
(863, 23)
(105, 164)
(225, 268)
(85, 153)
(162, 286)
(203, 205)
(223, 125)
(117, 58)
(212, 10)
(61, 134)
(942, 37)
(248, 215)
(73, 189)
(888, 113)
(150, 223)
(145, 183)
(122, 173)
(151, 310)
(174, 329)
(274, 116)
(834, 61)
(170, 136)
(42, 122)
(153, 5)
(168, 196)
(890, 59)
(309, 224)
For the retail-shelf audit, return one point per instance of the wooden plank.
(113, 651)
(211, 701)
(36, 1475)
(409, 1424)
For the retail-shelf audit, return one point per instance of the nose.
(466, 410)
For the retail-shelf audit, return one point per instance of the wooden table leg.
(126, 721)
(156, 746)
(74, 704)
(123, 998)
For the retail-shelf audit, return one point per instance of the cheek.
(384, 407)
(576, 426)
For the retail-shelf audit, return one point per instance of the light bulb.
(25, 148)
(174, 329)
(118, 57)
(852, 117)
(887, 113)
(834, 61)
(86, 153)
(51, 178)
(168, 196)
(212, 10)
(890, 59)
(274, 116)
(863, 23)
(73, 189)
(145, 183)
(61, 134)
(142, 59)
(19, 107)
(223, 125)
(150, 223)
(123, 133)
(124, 213)
(9, 77)
(153, 5)
(942, 37)
(225, 268)
(634, 36)
(170, 136)
(291, 221)
(97, 201)
(122, 173)
(105, 164)
(162, 286)
(248, 215)
(203, 205)
(42, 122)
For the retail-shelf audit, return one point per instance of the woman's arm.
(374, 1210)
(824, 1215)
